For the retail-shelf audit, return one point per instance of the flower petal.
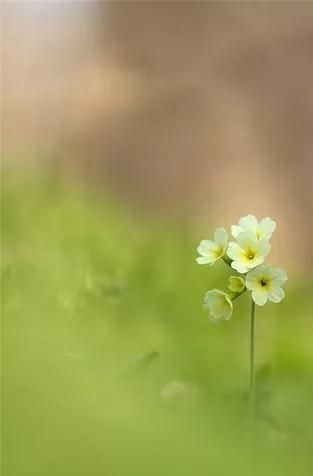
(206, 247)
(221, 237)
(278, 276)
(204, 260)
(248, 223)
(264, 247)
(235, 230)
(239, 266)
(254, 262)
(211, 296)
(252, 279)
(234, 251)
(259, 296)
(276, 294)
(266, 228)
(206, 250)
(247, 239)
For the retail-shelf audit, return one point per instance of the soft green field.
(110, 365)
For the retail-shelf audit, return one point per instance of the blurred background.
(130, 129)
(183, 107)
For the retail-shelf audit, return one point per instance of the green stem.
(227, 260)
(252, 370)
(237, 295)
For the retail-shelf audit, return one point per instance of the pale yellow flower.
(265, 283)
(263, 230)
(236, 284)
(210, 251)
(219, 304)
(248, 252)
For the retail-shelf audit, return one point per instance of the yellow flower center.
(250, 254)
(219, 251)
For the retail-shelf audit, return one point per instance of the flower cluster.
(245, 255)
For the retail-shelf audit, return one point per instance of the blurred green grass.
(109, 364)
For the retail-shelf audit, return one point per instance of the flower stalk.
(252, 362)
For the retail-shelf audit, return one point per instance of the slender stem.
(237, 295)
(227, 260)
(252, 370)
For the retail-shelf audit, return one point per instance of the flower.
(211, 251)
(219, 305)
(263, 230)
(236, 284)
(265, 283)
(248, 253)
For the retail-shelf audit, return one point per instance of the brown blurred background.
(190, 108)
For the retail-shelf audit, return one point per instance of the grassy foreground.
(109, 364)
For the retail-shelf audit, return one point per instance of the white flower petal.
(204, 260)
(276, 294)
(221, 237)
(217, 310)
(251, 280)
(255, 262)
(247, 239)
(239, 266)
(279, 276)
(234, 251)
(259, 296)
(266, 228)
(263, 247)
(207, 252)
(228, 311)
(206, 247)
(235, 230)
(248, 223)
(211, 296)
